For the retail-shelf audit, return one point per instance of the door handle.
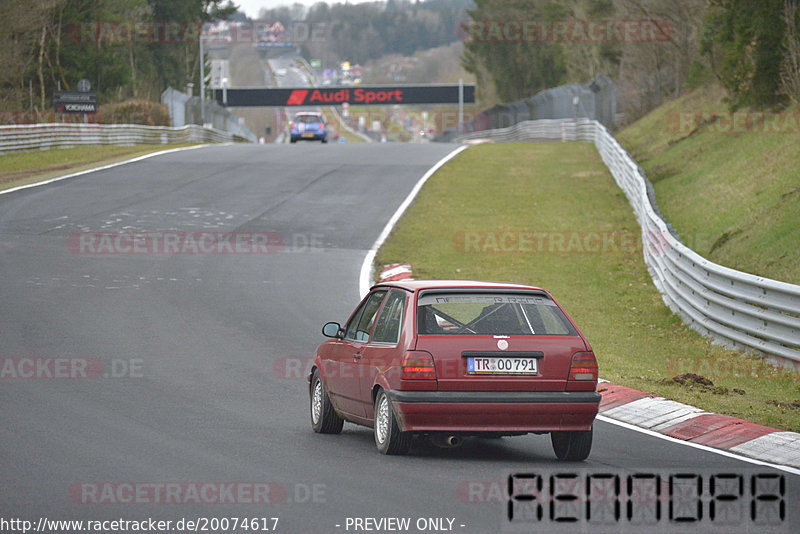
(357, 356)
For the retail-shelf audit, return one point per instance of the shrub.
(135, 112)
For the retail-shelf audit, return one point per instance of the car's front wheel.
(388, 437)
(324, 418)
(573, 446)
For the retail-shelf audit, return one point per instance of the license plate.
(308, 135)
(492, 365)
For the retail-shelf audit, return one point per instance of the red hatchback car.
(450, 359)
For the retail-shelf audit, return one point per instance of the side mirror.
(332, 330)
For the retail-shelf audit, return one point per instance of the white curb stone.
(778, 447)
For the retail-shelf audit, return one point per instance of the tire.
(324, 419)
(388, 437)
(292, 140)
(572, 446)
(324, 140)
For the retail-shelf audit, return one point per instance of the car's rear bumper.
(494, 411)
(308, 136)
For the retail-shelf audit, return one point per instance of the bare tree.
(652, 71)
(585, 60)
(790, 70)
(20, 35)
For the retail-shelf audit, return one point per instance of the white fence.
(44, 136)
(732, 307)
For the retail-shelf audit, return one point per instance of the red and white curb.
(687, 423)
(395, 272)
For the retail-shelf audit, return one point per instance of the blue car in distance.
(308, 126)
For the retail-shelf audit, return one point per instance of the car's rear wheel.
(572, 446)
(324, 418)
(388, 437)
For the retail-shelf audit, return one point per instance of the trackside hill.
(729, 182)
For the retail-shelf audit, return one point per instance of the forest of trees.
(362, 32)
(49, 44)
(751, 47)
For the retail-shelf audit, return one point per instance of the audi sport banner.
(360, 95)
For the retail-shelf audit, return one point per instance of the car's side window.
(387, 326)
(360, 326)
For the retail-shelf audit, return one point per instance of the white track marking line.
(365, 279)
(721, 452)
(104, 167)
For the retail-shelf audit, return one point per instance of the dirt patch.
(703, 384)
(661, 172)
(587, 174)
(691, 379)
(794, 405)
(791, 193)
(724, 238)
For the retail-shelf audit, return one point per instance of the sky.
(252, 7)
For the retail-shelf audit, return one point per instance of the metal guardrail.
(59, 135)
(734, 308)
(594, 100)
(538, 130)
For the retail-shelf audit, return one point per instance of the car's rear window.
(308, 119)
(481, 313)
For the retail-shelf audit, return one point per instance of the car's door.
(383, 350)
(342, 375)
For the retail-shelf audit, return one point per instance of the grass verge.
(334, 120)
(550, 214)
(727, 182)
(27, 167)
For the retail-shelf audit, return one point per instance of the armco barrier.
(44, 136)
(734, 308)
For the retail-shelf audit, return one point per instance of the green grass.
(20, 168)
(564, 192)
(733, 197)
(440, 117)
(333, 120)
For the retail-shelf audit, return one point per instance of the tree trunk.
(133, 71)
(41, 64)
(59, 68)
(790, 72)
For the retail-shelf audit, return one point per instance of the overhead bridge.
(361, 95)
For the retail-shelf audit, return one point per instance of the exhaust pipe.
(446, 442)
(454, 441)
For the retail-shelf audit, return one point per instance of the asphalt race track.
(198, 384)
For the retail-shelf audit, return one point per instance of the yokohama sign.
(357, 96)
(74, 102)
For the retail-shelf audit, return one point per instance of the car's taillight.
(418, 365)
(583, 366)
(293, 125)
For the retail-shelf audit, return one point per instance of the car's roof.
(419, 285)
(314, 113)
